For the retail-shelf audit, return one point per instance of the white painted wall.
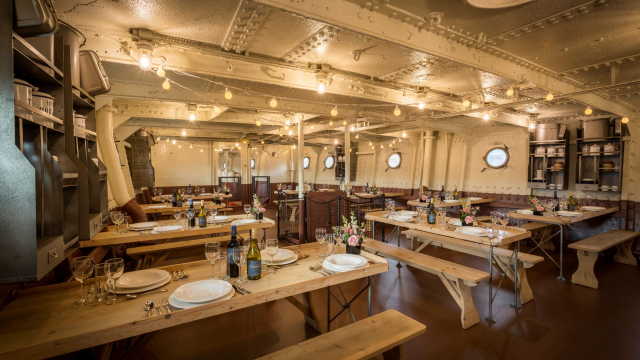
(181, 166)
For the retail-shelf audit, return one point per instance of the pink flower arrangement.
(468, 212)
(353, 240)
(539, 208)
(350, 232)
(257, 207)
(468, 219)
(535, 206)
(424, 197)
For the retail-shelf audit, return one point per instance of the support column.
(347, 157)
(300, 160)
(428, 158)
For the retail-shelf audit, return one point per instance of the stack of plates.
(222, 219)
(282, 257)
(344, 262)
(140, 281)
(407, 213)
(450, 201)
(474, 198)
(205, 194)
(592, 208)
(200, 292)
(158, 206)
(142, 226)
(470, 230)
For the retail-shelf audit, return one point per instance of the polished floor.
(564, 321)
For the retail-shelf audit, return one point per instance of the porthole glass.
(497, 158)
(329, 162)
(394, 160)
(253, 164)
(305, 162)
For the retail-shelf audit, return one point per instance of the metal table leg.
(561, 238)
(490, 318)
(369, 298)
(515, 304)
(328, 309)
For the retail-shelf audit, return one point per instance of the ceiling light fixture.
(404, 134)
(624, 119)
(485, 116)
(287, 122)
(588, 111)
(334, 111)
(227, 94)
(173, 142)
(184, 133)
(166, 84)
(389, 144)
(145, 55)
(290, 132)
(160, 72)
(237, 144)
(294, 146)
(421, 104)
(192, 116)
(280, 134)
(466, 103)
(167, 140)
(549, 96)
(321, 79)
(532, 125)
(397, 111)
(273, 103)
(510, 92)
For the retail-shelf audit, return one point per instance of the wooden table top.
(205, 197)
(563, 220)
(368, 196)
(160, 208)
(506, 237)
(41, 323)
(108, 238)
(457, 203)
(288, 192)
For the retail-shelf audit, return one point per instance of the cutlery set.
(179, 275)
(150, 305)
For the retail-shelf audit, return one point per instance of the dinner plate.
(222, 218)
(402, 218)
(244, 221)
(346, 261)
(407, 213)
(145, 288)
(142, 278)
(525, 212)
(205, 194)
(157, 206)
(592, 208)
(185, 305)
(267, 260)
(143, 225)
(457, 222)
(202, 291)
(468, 231)
(281, 256)
(474, 198)
(333, 268)
(568, 213)
(450, 201)
(167, 228)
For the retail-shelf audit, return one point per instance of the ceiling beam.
(381, 20)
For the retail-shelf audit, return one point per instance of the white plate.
(525, 212)
(202, 291)
(568, 213)
(146, 288)
(142, 278)
(167, 228)
(592, 208)
(184, 305)
(205, 194)
(222, 218)
(468, 231)
(346, 261)
(407, 213)
(402, 218)
(457, 222)
(244, 221)
(450, 201)
(143, 225)
(333, 268)
(477, 198)
(158, 206)
(267, 260)
(281, 256)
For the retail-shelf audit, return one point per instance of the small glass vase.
(354, 250)
(538, 213)
(258, 216)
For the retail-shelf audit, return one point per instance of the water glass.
(211, 215)
(81, 267)
(212, 253)
(239, 258)
(272, 250)
(262, 246)
(331, 244)
(247, 209)
(222, 267)
(101, 279)
(176, 214)
(124, 225)
(114, 269)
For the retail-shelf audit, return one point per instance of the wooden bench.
(155, 254)
(589, 248)
(458, 279)
(502, 257)
(383, 333)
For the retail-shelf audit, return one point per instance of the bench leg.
(526, 294)
(395, 353)
(418, 244)
(462, 295)
(585, 275)
(624, 255)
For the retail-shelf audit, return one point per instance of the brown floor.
(564, 321)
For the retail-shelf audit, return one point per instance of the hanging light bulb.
(237, 144)
(510, 91)
(322, 87)
(404, 134)
(549, 96)
(192, 116)
(227, 94)
(399, 140)
(421, 104)
(311, 127)
(159, 138)
(287, 122)
(145, 56)
(280, 134)
(532, 125)
(393, 142)
(381, 146)
(397, 111)
(330, 122)
(485, 116)
(588, 111)
(179, 146)
(334, 111)
(184, 133)
(325, 148)
(290, 132)
(201, 150)
(294, 146)
(624, 119)
(160, 72)
(335, 141)
(217, 109)
(466, 102)
(357, 136)
(273, 103)
(173, 142)
(286, 127)
(370, 143)
(344, 122)
(167, 140)
(166, 84)
(191, 146)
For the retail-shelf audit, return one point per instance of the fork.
(330, 272)
(165, 303)
(175, 276)
(315, 270)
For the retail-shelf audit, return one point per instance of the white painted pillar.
(226, 163)
(347, 157)
(428, 158)
(300, 160)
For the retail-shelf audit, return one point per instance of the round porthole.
(253, 164)
(329, 162)
(305, 162)
(394, 160)
(497, 157)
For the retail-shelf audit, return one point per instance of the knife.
(237, 290)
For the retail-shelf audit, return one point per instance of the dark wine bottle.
(192, 210)
(556, 200)
(442, 194)
(233, 270)
(174, 199)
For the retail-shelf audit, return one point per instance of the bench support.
(585, 275)
(461, 293)
(624, 254)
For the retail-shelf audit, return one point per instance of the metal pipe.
(300, 159)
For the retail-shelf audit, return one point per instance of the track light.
(549, 96)
(510, 92)
(397, 111)
(588, 111)
(227, 94)
(334, 111)
(160, 72)
(624, 120)
(166, 84)
(466, 102)
(421, 104)
(273, 103)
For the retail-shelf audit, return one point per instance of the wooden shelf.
(84, 133)
(38, 116)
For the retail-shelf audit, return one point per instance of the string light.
(393, 142)
(191, 146)
(624, 120)
(192, 116)
(330, 122)
(311, 127)
(227, 94)
(549, 96)
(166, 84)
(287, 122)
(485, 116)
(381, 146)
(466, 102)
(179, 146)
(145, 57)
(280, 134)
(290, 132)
(237, 145)
(334, 111)
(262, 142)
(397, 111)
(286, 127)
(389, 145)
(173, 142)
(160, 72)
(357, 136)
(588, 111)
(167, 140)
(509, 92)
(184, 133)
(273, 103)
(258, 123)
(201, 150)
(399, 140)
(294, 146)
(325, 148)
(404, 134)
(370, 143)
(344, 122)
(159, 138)
(335, 141)
(421, 105)
(217, 109)
(532, 125)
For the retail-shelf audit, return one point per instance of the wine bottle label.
(254, 268)
(572, 207)
(455, 197)
(202, 221)
(431, 218)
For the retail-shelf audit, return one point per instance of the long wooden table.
(387, 195)
(160, 208)
(559, 221)
(451, 204)
(502, 237)
(41, 322)
(207, 197)
(108, 238)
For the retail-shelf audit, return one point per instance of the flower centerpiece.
(375, 190)
(535, 205)
(467, 212)
(422, 197)
(226, 189)
(279, 187)
(351, 234)
(258, 210)
(216, 197)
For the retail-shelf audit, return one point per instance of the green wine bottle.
(202, 217)
(254, 260)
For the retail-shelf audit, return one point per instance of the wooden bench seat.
(589, 248)
(458, 279)
(502, 257)
(383, 333)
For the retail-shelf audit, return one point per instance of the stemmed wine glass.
(160, 194)
(176, 214)
(556, 203)
(494, 221)
(190, 213)
(239, 257)
(247, 209)
(155, 192)
(114, 269)
(212, 252)
(321, 234)
(387, 203)
(114, 216)
(272, 250)
(81, 268)
(504, 221)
